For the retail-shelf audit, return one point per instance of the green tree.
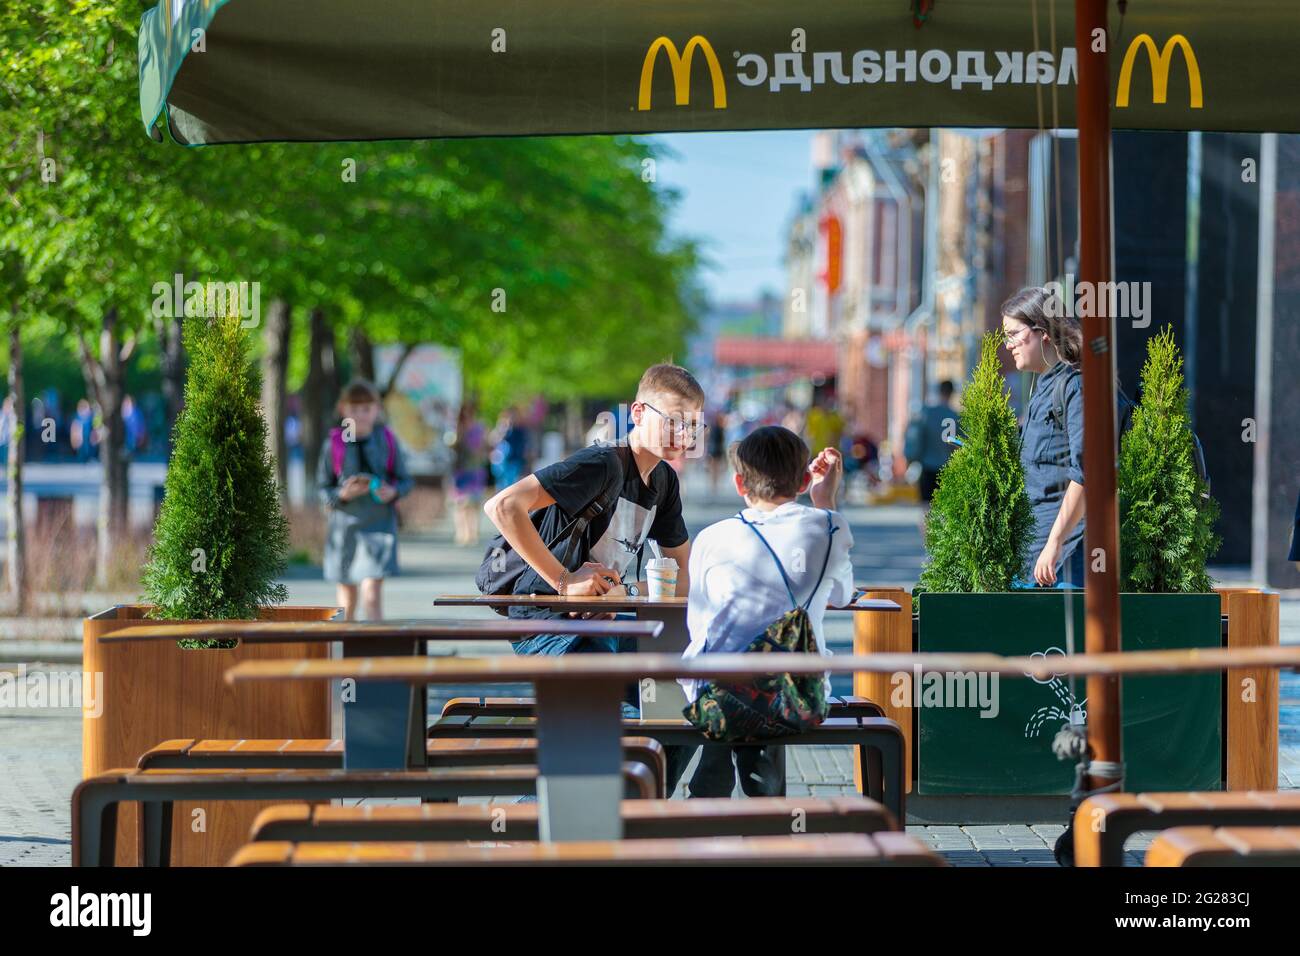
(1166, 528)
(980, 521)
(221, 539)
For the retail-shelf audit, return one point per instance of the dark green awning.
(388, 69)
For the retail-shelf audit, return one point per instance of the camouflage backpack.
(781, 703)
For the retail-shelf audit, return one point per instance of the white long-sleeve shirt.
(736, 589)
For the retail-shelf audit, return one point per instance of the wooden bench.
(1226, 846)
(324, 753)
(840, 849)
(1102, 823)
(95, 800)
(527, 706)
(642, 819)
(879, 743)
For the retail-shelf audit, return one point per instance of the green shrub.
(221, 538)
(980, 520)
(1166, 530)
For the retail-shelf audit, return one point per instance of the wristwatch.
(633, 590)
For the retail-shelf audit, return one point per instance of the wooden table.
(580, 725)
(384, 727)
(658, 699)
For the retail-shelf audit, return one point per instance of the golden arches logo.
(1160, 63)
(681, 67)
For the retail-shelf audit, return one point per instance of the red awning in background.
(803, 357)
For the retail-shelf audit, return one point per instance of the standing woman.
(1051, 451)
(469, 472)
(361, 474)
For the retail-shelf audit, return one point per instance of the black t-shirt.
(617, 537)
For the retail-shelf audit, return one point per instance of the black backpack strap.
(598, 506)
(1058, 401)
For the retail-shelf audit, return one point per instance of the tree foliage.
(411, 241)
(980, 520)
(1167, 516)
(221, 539)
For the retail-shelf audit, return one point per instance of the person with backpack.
(361, 473)
(760, 578)
(926, 440)
(1049, 343)
(580, 526)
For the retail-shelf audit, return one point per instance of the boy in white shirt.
(737, 588)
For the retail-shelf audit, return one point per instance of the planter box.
(1249, 758)
(155, 691)
(1172, 725)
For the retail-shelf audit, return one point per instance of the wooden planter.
(155, 691)
(1250, 698)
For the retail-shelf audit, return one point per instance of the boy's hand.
(826, 470)
(386, 493)
(354, 487)
(591, 579)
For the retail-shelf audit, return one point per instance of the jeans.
(761, 770)
(553, 645)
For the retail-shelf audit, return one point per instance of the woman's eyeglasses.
(680, 426)
(1011, 338)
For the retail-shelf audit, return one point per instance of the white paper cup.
(661, 578)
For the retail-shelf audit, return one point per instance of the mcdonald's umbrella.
(227, 71)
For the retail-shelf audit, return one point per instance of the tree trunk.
(318, 394)
(17, 556)
(390, 383)
(362, 355)
(172, 365)
(275, 362)
(107, 372)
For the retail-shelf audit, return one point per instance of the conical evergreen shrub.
(1166, 530)
(221, 538)
(980, 521)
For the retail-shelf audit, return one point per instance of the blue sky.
(737, 193)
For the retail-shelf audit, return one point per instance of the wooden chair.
(841, 849)
(1226, 846)
(1102, 823)
(642, 819)
(95, 800)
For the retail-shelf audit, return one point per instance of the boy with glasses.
(534, 513)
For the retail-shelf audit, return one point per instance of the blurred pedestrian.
(133, 424)
(469, 473)
(361, 474)
(825, 425)
(717, 450)
(83, 435)
(510, 449)
(927, 441)
(8, 428)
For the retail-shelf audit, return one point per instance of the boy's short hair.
(666, 379)
(360, 391)
(771, 460)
